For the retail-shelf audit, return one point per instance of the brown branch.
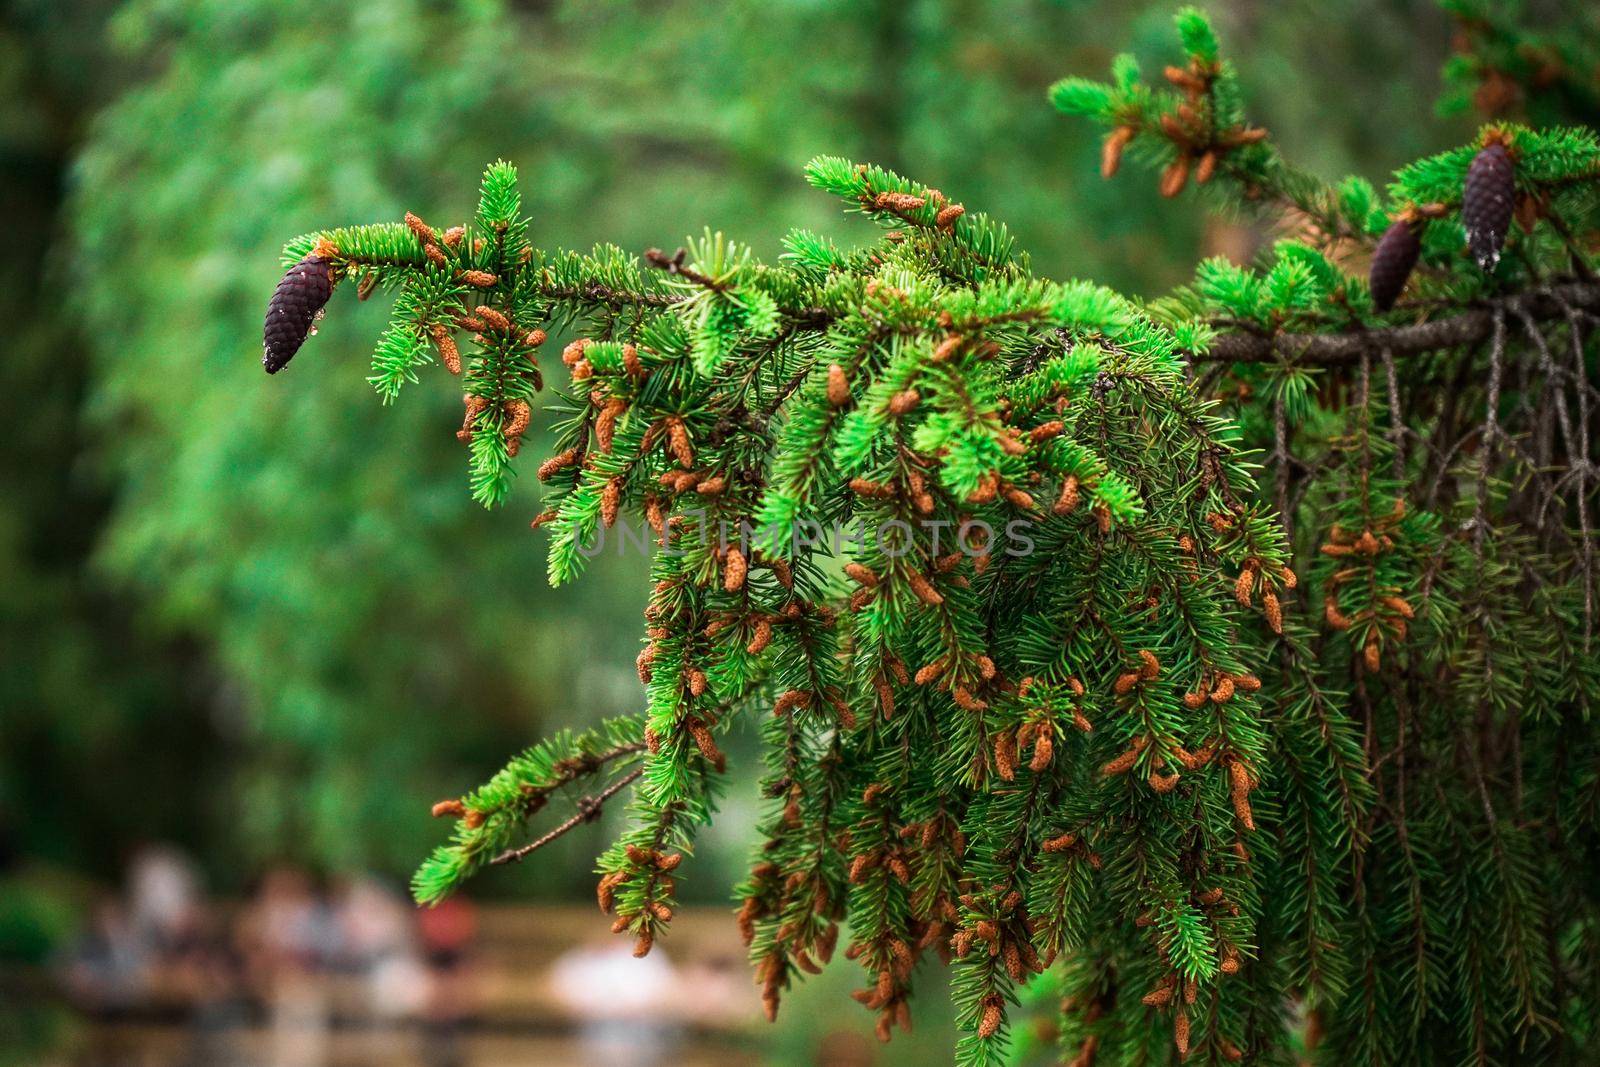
(601, 294)
(1345, 348)
(588, 810)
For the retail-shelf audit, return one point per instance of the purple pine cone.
(1487, 202)
(1392, 261)
(292, 310)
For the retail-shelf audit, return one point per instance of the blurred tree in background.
(199, 642)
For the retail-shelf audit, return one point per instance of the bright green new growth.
(1057, 713)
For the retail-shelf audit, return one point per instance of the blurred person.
(715, 990)
(105, 971)
(376, 941)
(284, 935)
(447, 931)
(628, 1009)
(165, 903)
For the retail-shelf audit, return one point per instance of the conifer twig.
(1346, 348)
(589, 809)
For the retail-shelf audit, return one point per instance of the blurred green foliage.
(230, 617)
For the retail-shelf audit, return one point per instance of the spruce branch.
(589, 809)
(1338, 349)
(1195, 657)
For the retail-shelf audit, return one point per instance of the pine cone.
(1392, 261)
(294, 307)
(1487, 202)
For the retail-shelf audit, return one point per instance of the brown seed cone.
(518, 415)
(571, 354)
(794, 698)
(948, 348)
(423, 232)
(449, 354)
(1175, 177)
(838, 386)
(1061, 843)
(904, 401)
(1392, 262)
(702, 736)
(899, 203)
(733, 572)
(678, 438)
(452, 808)
(1230, 960)
(556, 463)
(868, 488)
(760, 639)
(1488, 199)
(1018, 499)
(605, 424)
(1244, 586)
(605, 891)
(1149, 665)
(1046, 430)
(1399, 607)
(1044, 750)
(1163, 783)
(1005, 756)
(993, 1015)
(294, 307)
(1122, 764)
(860, 572)
(1158, 997)
(1111, 150)
(966, 701)
(493, 319)
(1273, 610)
(924, 589)
(610, 500)
(1180, 1034)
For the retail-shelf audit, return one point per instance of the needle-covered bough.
(987, 560)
